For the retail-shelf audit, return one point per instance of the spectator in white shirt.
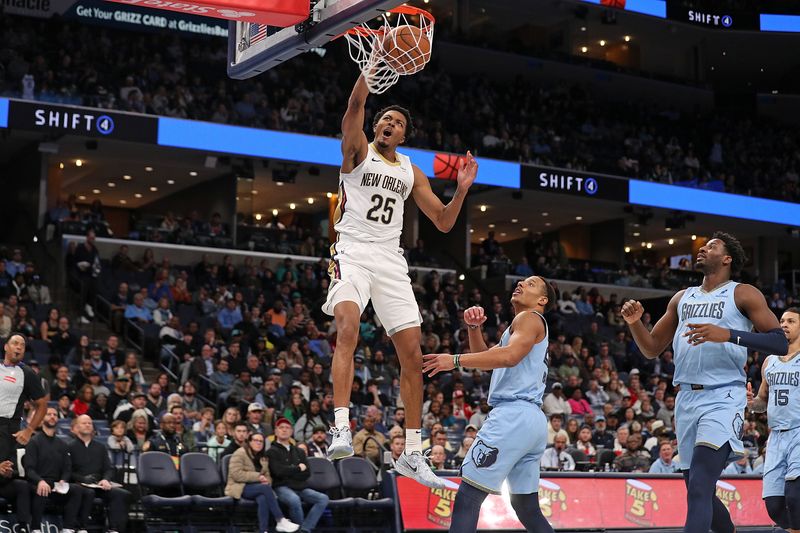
(557, 458)
(556, 402)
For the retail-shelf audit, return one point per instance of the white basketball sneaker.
(341, 444)
(415, 465)
(285, 525)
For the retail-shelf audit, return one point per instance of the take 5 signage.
(36, 116)
(575, 183)
(586, 503)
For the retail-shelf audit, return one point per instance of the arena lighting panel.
(713, 203)
(303, 148)
(3, 112)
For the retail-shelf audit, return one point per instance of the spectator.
(664, 464)
(288, 466)
(137, 402)
(240, 434)
(119, 304)
(556, 402)
(184, 434)
(739, 467)
(162, 314)
(90, 464)
(49, 469)
(167, 440)
(438, 457)
(87, 261)
(318, 445)
(118, 440)
(578, 404)
(255, 420)
(219, 442)
(554, 428)
(64, 340)
(480, 415)
(306, 425)
(584, 441)
(596, 395)
(667, 412)
(632, 459)
(137, 311)
(229, 316)
(245, 480)
(368, 442)
(601, 436)
(81, 404)
(556, 457)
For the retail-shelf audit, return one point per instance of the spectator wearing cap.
(318, 445)
(288, 466)
(360, 370)
(555, 428)
(255, 420)
(479, 416)
(601, 436)
(138, 401)
(102, 368)
(305, 426)
(63, 405)
(368, 442)
(664, 464)
(556, 402)
(461, 409)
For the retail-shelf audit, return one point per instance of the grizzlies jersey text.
(783, 379)
(710, 363)
(526, 380)
(371, 199)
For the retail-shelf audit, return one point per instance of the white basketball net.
(368, 47)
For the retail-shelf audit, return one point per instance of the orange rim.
(365, 31)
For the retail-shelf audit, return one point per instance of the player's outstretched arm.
(652, 343)
(444, 216)
(354, 142)
(758, 403)
(527, 328)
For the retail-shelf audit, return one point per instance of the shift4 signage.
(36, 116)
(575, 183)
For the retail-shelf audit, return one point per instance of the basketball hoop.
(398, 48)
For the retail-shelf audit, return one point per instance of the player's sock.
(776, 508)
(706, 467)
(413, 440)
(467, 508)
(529, 513)
(793, 503)
(341, 417)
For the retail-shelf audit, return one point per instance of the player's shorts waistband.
(697, 387)
(392, 244)
(784, 430)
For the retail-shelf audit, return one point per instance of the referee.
(18, 384)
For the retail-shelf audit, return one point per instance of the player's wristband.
(472, 326)
(457, 360)
(770, 342)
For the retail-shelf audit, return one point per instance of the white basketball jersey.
(371, 198)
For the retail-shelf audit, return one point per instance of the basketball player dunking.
(779, 396)
(710, 328)
(513, 438)
(367, 263)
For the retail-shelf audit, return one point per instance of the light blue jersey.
(510, 444)
(526, 380)
(783, 379)
(711, 363)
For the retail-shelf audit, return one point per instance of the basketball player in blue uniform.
(367, 263)
(779, 396)
(513, 438)
(710, 329)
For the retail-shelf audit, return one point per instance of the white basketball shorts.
(377, 271)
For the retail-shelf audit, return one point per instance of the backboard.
(255, 48)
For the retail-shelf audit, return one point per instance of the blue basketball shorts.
(509, 446)
(782, 462)
(709, 417)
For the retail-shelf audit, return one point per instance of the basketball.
(445, 166)
(406, 49)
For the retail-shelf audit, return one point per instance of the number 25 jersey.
(371, 199)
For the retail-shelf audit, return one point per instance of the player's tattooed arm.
(444, 216)
(652, 343)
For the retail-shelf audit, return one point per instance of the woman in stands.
(49, 327)
(139, 430)
(81, 404)
(248, 477)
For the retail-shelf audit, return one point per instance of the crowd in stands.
(560, 125)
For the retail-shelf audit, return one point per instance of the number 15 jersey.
(371, 199)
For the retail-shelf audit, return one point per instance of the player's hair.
(551, 295)
(734, 249)
(406, 113)
(795, 310)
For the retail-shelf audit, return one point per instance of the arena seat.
(163, 503)
(201, 480)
